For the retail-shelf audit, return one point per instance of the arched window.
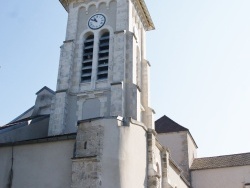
(103, 56)
(87, 59)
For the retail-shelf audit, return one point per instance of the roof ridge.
(223, 155)
(22, 121)
(20, 116)
(45, 88)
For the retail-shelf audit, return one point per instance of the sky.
(199, 52)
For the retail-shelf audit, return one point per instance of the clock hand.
(93, 19)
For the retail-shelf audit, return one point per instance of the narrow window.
(103, 57)
(87, 59)
(85, 145)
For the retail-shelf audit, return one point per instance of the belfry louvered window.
(103, 56)
(87, 59)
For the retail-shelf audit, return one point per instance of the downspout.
(125, 78)
(10, 179)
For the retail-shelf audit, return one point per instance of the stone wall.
(86, 172)
(86, 167)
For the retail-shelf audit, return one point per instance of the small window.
(85, 145)
(103, 57)
(247, 185)
(87, 59)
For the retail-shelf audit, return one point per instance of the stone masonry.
(86, 166)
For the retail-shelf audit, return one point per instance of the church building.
(97, 129)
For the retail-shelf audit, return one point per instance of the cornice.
(65, 4)
(143, 12)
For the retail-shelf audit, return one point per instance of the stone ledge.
(121, 31)
(61, 91)
(116, 83)
(56, 138)
(68, 41)
(119, 118)
(89, 158)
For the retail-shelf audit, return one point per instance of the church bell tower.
(103, 71)
(103, 92)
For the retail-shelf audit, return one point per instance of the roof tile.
(241, 159)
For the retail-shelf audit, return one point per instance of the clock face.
(96, 21)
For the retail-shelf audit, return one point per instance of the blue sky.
(199, 52)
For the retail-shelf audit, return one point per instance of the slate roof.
(25, 129)
(24, 115)
(167, 125)
(241, 159)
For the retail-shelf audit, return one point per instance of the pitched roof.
(167, 125)
(24, 115)
(25, 129)
(241, 159)
(45, 88)
(179, 170)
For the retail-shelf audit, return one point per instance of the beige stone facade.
(231, 177)
(44, 163)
